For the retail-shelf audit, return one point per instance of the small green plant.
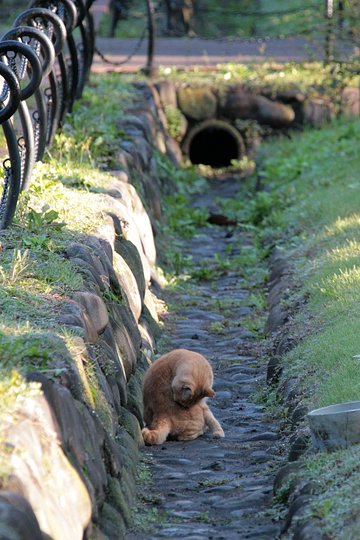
(175, 122)
(110, 296)
(203, 274)
(182, 219)
(262, 208)
(176, 262)
(145, 518)
(203, 517)
(37, 221)
(269, 397)
(215, 482)
(257, 300)
(221, 262)
(38, 242)
(143, 473)
(218, 327)
(19, 265)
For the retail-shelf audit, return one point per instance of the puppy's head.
(186, 396)
(183, 394)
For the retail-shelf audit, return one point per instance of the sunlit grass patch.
(313, 195)
(320, 228)
(347, 251)
(345, 228)
(325, 362)
(343, 285)
(333, 280)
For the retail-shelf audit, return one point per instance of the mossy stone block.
(111, 522)
(118, 500)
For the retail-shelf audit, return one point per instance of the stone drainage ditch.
(207, 488)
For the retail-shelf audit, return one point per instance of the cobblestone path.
(207, 488)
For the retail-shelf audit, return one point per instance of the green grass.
(314, 195)
(319, 204)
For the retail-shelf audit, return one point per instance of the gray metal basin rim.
(338, 408)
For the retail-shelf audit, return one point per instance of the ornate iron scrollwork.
(40, 57)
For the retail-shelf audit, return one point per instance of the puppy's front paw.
(150, 437)
(218, 433)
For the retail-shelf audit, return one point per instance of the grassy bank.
(312, 211)
(36, 278)
(315, 196)
(309, 77)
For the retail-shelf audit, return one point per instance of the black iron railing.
(45, 60)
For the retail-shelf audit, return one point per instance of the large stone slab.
(95, 309)
(41, 472)
(197, 103)
(127, 336)
(243, 105)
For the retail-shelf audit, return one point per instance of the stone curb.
(298, 493)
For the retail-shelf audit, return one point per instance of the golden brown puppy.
(175, 390)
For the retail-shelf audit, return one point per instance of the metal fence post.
(149, 69)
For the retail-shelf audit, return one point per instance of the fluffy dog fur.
(175, 390)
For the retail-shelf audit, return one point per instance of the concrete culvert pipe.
(214, 143)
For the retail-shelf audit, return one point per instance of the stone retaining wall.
(71, 445)
(237, 104)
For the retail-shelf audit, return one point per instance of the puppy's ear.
(186, 393)
(209, 392)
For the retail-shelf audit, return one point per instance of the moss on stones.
(118, 499)
(111, 522)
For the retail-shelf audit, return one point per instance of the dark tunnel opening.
(214, 144)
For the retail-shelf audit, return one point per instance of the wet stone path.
(217, 488)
